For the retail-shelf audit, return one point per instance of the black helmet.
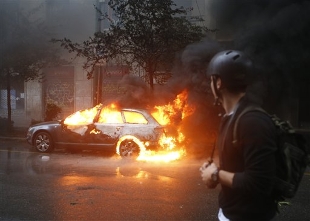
(233, 67)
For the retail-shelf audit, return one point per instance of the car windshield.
(82, 117)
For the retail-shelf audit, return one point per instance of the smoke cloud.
(275, 34)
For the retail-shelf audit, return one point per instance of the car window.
(110, 117)
(82, 117)
(134, 117)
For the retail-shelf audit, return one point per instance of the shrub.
(51, 111)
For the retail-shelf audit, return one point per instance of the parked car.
(126, 130)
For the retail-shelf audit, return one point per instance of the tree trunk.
(8, 97)
(151, 74)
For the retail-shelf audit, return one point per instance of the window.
(134, 118)
(17, 97)
(110, 117)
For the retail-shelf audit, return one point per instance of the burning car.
(127, 130)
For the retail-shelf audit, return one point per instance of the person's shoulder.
(256, 118)
(257, 112)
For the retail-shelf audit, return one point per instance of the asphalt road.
(98, 186)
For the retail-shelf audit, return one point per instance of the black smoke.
(275, 33)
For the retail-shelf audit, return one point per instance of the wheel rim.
(42, 142)
(129, 148)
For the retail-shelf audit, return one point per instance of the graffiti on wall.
(59, 87)
(111, 88)
(114, 89)
(60, 93)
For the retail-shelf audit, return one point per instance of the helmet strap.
(216, 92)
(216, 101)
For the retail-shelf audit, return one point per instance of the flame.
(82, 117)
(164, 155)
(109, 114)
(172, 145)
(94, 131)
(170, 150)
(177, 110)
(134, 139)
(170, 114)
(161, 156)
(171, 142)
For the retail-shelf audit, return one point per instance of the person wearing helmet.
(246, 169)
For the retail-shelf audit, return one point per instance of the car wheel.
(43, 142)
(129, 148)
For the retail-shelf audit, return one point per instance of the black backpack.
(291, 158)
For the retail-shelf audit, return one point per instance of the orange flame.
(130, 137)
(109, 114)
(178, 109)
(170, 150)
(82, 117)
(170, 115)
(94, 131)
(161, 156)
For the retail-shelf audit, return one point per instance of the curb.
(13, 138)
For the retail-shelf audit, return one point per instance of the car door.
(138, 126)
(108, 127)
(76, 128)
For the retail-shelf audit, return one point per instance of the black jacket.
(253, 162)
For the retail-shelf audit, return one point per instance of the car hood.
(46, 123)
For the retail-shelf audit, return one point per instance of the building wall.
(33, 104)
(201, 9)
(73, 19)
(83, 90)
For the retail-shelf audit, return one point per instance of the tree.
(24, 49)
(146, 33)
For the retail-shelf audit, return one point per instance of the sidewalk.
(16, 134)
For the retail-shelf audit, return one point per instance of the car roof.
(136, 109)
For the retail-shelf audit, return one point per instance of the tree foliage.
(147, 33)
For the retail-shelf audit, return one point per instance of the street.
(102, 186)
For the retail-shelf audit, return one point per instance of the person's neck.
(230, 101)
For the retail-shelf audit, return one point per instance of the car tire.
(128, 148)
(43, 142)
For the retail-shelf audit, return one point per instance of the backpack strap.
(244, 111)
